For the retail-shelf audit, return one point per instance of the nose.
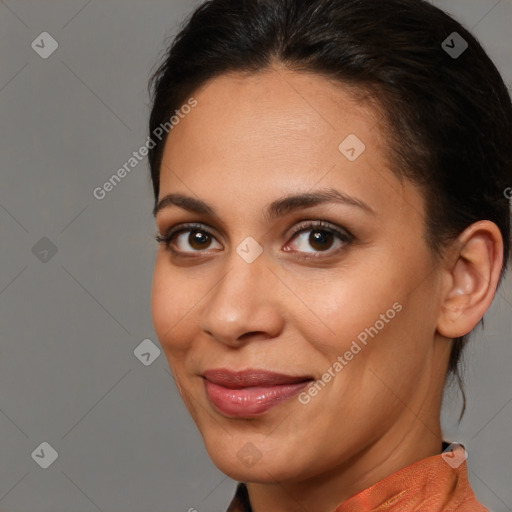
(243, 305)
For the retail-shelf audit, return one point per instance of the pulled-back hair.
(448, 117)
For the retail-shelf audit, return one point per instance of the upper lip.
(247, 378)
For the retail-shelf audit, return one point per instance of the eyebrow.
(278, 208)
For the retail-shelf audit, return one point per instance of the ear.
(471, 278)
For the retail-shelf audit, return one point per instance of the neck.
(412, 438)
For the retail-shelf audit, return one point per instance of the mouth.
(250, 393)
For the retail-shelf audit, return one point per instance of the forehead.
(273, 115)
(256, 135)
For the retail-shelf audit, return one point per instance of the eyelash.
(346, 237)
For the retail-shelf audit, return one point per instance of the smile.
(250, 392)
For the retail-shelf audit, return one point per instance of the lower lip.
(251, 401)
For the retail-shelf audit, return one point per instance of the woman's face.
(353, 303)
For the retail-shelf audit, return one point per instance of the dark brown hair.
(448, 116)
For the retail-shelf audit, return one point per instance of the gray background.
(69, 326)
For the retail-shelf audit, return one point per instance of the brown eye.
(320, 237)
(198, 240)
(188, 239)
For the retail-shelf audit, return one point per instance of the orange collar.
(435, 484)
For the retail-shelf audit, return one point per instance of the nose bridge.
(238, 296)
(247, 266)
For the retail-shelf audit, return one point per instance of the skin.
(251, 140)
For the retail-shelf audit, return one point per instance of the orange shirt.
(435, 484)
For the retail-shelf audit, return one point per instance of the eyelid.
(308, 225)
(321, 224)
(172, 232)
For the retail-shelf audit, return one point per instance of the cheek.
(172, 301)
(381, 306)
(348, 304)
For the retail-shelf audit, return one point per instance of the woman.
(329, 181)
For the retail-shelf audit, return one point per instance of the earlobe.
(473, 278)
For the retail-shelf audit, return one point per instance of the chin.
(248, 464)
(261, 472)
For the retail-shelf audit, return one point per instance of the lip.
(250, 393)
